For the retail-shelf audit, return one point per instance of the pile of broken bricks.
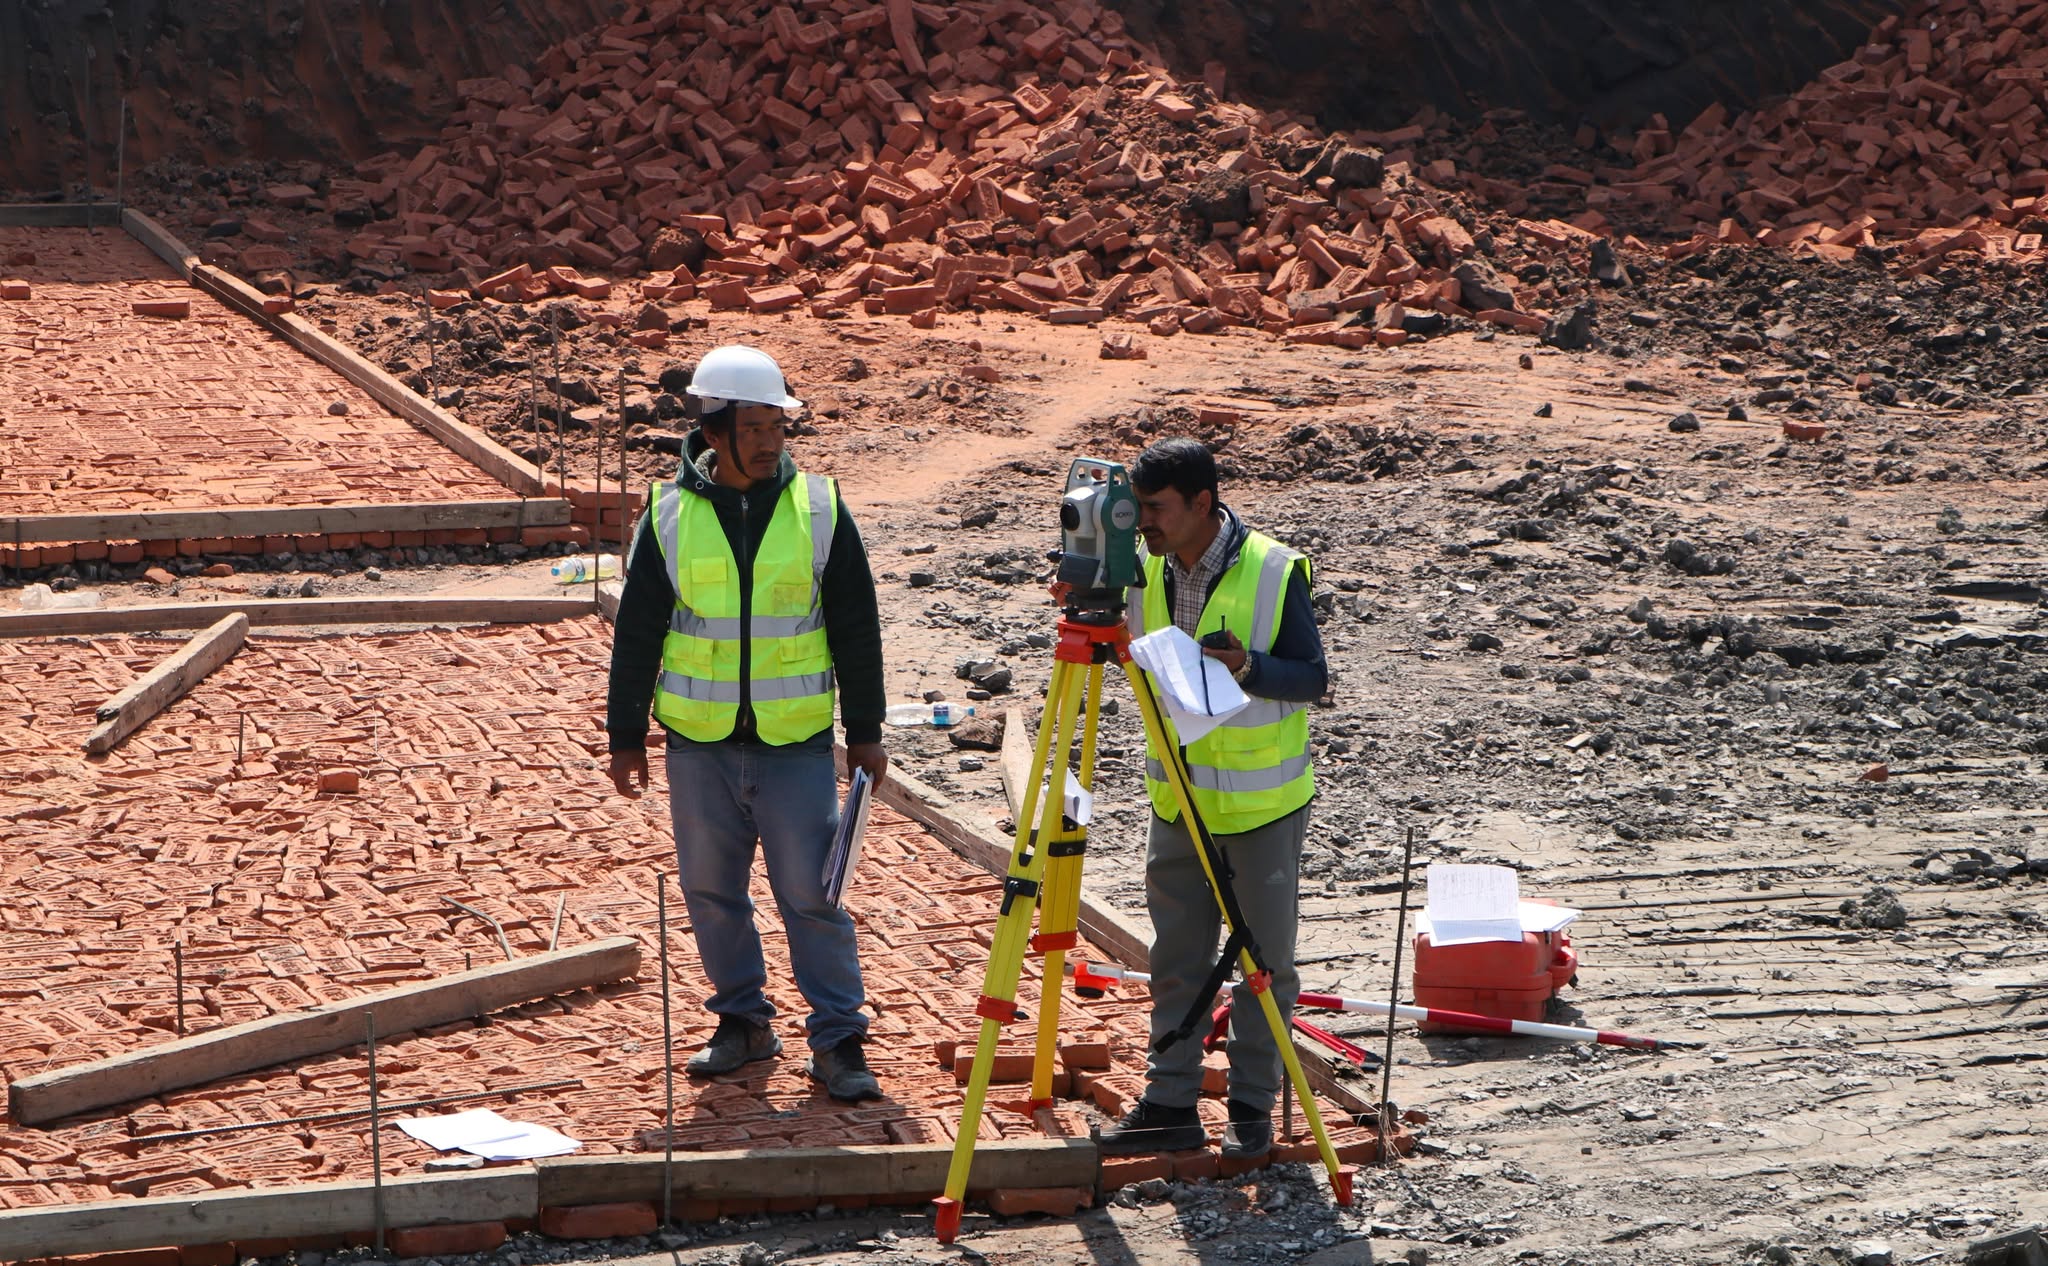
(1932, 133)
(907, 158)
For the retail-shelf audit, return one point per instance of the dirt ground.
(1769, 711)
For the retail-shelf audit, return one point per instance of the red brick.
(1121, 1171)
(312, 543)
(695, 1209)
(124, 551)
(445, 1240)
(207, 1255)
(1189, 1166)
(1060, 1202)
(599, 1221)
(129, 1257)
(273, 1246)
(14, 288)
(341, 780)
(173, 308)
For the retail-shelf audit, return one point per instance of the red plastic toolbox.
(1507, 979)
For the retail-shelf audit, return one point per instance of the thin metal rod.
(625, 524)
(668, 1064)
(1387, 1155)
(376, 1140)
(561, 423)
(540, 466)
(91, 221)
(344, 1114)
(502, 942)
(433, 358)
(121, 158)
(556, 935)
(178, 971)
(241, 731)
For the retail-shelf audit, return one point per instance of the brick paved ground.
(106, 411)
(477, 752)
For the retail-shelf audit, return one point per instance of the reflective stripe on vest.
(788, 663)
(1254, 768)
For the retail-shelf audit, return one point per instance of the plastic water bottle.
(578, 569)
(940, 713)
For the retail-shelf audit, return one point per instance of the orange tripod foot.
(946, 1218)
(1340, 1186)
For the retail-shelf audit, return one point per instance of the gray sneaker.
(843, 1069)
(738, 1041)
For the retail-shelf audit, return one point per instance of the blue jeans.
(722, 798)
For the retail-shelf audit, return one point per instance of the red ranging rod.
(1097, 977)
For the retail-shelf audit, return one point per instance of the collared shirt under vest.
(1254, 768)
(768, 641)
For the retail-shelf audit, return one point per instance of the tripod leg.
(1059, 913)
(1013, 925)
(1212, 865)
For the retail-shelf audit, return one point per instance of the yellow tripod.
(1045, 874)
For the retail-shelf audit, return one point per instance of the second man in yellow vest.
(1246, 596)
(748, 604)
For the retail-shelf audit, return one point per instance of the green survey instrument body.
(1098, 531)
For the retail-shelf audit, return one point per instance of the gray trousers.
(1187, 931)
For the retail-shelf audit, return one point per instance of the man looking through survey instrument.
(1245, 598)
(748, 599)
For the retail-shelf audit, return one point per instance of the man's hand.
(625, 768)
(868, 756)
(1232, 657)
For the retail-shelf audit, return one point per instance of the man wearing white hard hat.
(748, 605)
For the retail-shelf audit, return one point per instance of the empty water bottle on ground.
(579, 569)
(941, 713)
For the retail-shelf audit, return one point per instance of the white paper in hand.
(1198, 691)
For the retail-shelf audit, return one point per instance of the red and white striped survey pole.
(1099, 976)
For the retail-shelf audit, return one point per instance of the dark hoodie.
(853, 626)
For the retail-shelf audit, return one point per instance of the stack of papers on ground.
(1469, 904)
(482, 1132)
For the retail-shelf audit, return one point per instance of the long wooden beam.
(935, 813)
(265, 1213)
(160, 240)
(486, 454)
(817, 1172)
(204, 1057)
(163, 685)
(91, 622)
(352, 516)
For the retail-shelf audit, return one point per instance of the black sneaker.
(1150, 1127)
(1249, 1134)
(843, 1070)
(738, 1041)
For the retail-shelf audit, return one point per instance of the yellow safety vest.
(788, 665)
(1253, 768)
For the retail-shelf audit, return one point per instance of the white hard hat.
(738, 374)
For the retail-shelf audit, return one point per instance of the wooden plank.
(160, 240)
(239, 1048)
(294, 611)
(57, 215)
(265, 1213)
(353, 516)
(1015, 761)
(467, 442)
(1121, 937)
(158, 688)
(609, 592)
(817, 1172)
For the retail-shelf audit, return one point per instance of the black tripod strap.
(1204, 997)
